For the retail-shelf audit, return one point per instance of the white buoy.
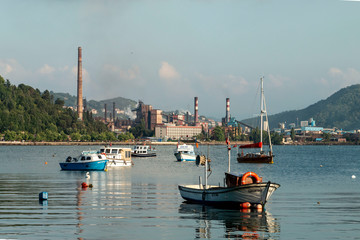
(87, 175)
(353, 176)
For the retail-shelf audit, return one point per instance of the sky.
(166, 52)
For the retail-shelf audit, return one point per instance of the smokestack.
(227, 116)
(196, 119)
(113, 111)
(105, 113)
(79, 87)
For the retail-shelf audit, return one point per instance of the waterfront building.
(176, 132)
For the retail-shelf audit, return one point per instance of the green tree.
(218, 134)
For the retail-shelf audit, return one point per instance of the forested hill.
(120, 103)
(341, 110)
(28, 114)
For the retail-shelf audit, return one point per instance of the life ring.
(103, 154)
(254, 177)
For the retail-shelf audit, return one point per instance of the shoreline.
(21, 143)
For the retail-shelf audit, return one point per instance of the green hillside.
(28, 114)
(341, 110)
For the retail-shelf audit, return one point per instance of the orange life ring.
(103, 154)
(254, 176)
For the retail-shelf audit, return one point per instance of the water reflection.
(236, 224)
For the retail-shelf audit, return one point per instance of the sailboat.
(239, 189)
(261, 156)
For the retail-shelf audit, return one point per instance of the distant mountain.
(341, 110)
(123, 104)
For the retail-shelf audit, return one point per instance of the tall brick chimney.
(79, 86)
(196, 117)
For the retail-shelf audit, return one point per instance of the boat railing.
(89, 152)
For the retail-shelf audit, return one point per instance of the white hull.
(185, 156)
(119, 163)
(257, 193)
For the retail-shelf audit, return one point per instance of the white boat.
(143, 151)
(261, 156)
(117, 156)
(185, 153)
(239, 189)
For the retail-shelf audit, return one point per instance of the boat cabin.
(235, 179)
(141, 149)
(122, 153)
(185, 148)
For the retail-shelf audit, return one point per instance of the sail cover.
(253, 145)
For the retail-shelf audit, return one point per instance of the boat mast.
(261, 112)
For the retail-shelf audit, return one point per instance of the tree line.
(27, 114)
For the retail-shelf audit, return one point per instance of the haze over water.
(318, 198)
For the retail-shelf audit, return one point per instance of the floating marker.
(43, 196)
(84, 185)
(45, 163)
(353, 176)
(245, 205)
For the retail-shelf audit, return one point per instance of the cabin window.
(82, 158)
(107, 150)
(127, 154)
(88, 158)
(102, 150)
(114, 151)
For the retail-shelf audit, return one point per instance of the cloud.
(278, 80)
(227, 84)
(46, 69)
(342, 78)
(127, 74)
(168, 72)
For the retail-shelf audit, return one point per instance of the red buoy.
(84, 185)
(245, 205)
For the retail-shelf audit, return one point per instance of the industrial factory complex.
(185, 126)
(165, 125)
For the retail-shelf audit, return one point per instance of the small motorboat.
(87, 161)
(143, 151)
(117, 156)
(185, 153)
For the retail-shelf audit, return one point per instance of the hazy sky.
(166, 52)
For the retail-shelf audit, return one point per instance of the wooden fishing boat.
(239, 189)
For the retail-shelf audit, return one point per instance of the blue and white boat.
(185, 153)
(87, 161)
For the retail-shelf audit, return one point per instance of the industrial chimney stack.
(227, 116)
(105, 117)
(79, 87)
(196, 118)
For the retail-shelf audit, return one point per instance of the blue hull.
(84, 166)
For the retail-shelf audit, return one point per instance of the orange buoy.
(252, 175)
(245, 205)
(45, 163)
(84, 185)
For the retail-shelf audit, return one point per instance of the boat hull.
(257, 193)
(119, 163)
(256, 159)
(185, 156)
(143, 154)
(84, 166)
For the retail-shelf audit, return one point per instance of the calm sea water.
(318, 198)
